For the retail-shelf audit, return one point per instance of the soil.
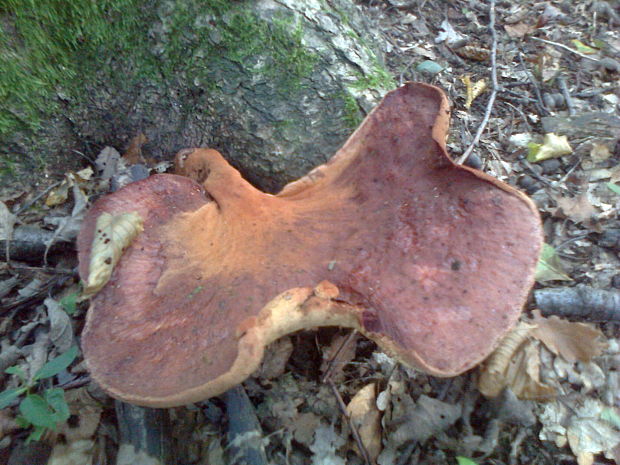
(558, 70)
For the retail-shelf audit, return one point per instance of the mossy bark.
(275, 85)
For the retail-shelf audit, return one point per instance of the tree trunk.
(275, 85)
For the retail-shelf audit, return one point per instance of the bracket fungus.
(431, 260)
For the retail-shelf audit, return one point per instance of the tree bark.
(275, 85)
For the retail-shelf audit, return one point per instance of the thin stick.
(332, 363)
(562, 46)
(566, 94)
(542, 107)
(28, 204)
(356, 434)
(489, 109)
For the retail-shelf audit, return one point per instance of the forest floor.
(536, 104)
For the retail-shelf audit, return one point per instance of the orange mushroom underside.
(431, 260)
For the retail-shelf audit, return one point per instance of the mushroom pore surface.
(431, 260)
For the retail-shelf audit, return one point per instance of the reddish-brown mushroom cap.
(431, 260)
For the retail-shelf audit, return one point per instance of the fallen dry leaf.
(519, 30)
(580, 423)
(473, 52)
(448, 34)
(472, 90)
(570, 340)
(578, 208)
(113, 234)
(109, 163)
(87, 411)
(276, 356)
(599, 152)
(303, 427)
(133, 154)
(61, 330)
(365, 416)
(341, 351)
(75, 453)
(515, 364)
(428, 418)
(67, 227)
(326, 443)
(58, 195)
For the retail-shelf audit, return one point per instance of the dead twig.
(565, 92)
(562, 46)
(332, 363)
(327, 380)
(544, 111)
(356, 434)
(491, 101)
(41, 194)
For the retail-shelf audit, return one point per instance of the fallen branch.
(581, 302)
(487, 114)
(144, 435)
(28, 244)
(245, 435)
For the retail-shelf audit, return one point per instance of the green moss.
(380, 78)
(52, 47)
(8, 167)
(274, 49)
(44, 45)
(352, 115)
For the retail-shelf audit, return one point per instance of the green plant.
(41, 411)
(69, 302)
(465, 461)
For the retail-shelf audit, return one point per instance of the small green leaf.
(56, 399)
(36, 410)
(614, 187)
(36, 434)
(17, 371)
(465, 461)
(549, 267)
(56, 365)
(69, 303)
(6, 397)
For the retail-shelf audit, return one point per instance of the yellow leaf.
(583, 48)
(473, 90)
(112, 236)
(58, 195)
(553, 146)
